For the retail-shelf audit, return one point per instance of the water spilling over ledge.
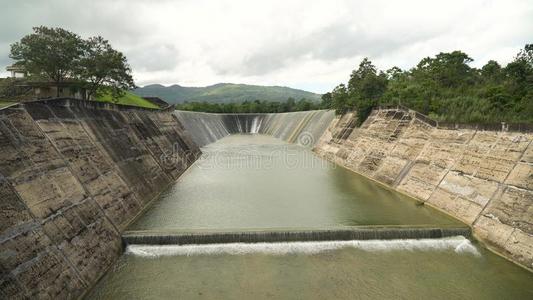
(304, 128)
(265, 236)
(458, 244)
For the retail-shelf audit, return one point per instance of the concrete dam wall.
(304, 128)
(265, 236)
(73, 174)
(484, 178)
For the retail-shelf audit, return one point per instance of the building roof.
(50, 84)
(15, 68)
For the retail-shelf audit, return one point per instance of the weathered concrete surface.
(484, 178)
(72, 176)
(267, 236)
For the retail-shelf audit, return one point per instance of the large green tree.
(104, 69)
(53, 53)
(365, 87)
(58, 55)
(340, 99)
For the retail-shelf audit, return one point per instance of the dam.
(161, 204)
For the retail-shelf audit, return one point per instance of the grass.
(6, 103)
(128, 99)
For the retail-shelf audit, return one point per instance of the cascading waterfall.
(344, 234)
(256, 124)
(458, 244)
(207, 128)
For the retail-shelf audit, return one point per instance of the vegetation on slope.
(128, 98)
(250, 106)
(224, 93)
(5, 103)
(445, 87)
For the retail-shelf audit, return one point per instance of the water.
(405, 269)
(256, 181)
(304, 127)
(250, 182)
(272, 236)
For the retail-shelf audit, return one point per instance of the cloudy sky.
(305, 44)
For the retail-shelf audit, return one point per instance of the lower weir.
(344, 234)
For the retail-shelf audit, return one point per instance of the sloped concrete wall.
(484, 178)
(304, 127)
(72, 176)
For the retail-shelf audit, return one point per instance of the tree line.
(445, 87)
(256, 106)
(58, 55)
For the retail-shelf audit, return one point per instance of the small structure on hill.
(16, 71)
(47, 89)
(21, 86)
(21, 89)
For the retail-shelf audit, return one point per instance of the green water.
(256, 181)
(345, 273)
(245, 182)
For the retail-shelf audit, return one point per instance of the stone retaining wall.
(73, 174)
(484, 178)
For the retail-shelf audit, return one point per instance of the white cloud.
(306, 44)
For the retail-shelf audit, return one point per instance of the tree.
(104, 69)
(394, 73)
(519, 80)
(290, 104)
(340, 99)
(50, 52)
(59, 54)
(303, 105)
(446, 88)
(526, 55)
(327, 101)
(492, 71)
(365, 83)
(366, 87)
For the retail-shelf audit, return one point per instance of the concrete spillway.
(304, 128)
(75, 174)
(342, 234)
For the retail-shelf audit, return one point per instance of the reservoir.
(257, 182)
(260, 182)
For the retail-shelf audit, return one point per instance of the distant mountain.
(223, 93)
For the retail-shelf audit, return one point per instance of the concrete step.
(266, 236)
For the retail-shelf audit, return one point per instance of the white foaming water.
(256, 124)
(458, 244)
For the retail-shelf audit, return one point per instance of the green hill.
(128, 99)
(224, 93)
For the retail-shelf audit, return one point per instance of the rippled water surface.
(252, 181)
(257, 181)
(414, 269)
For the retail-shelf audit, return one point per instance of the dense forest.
(256, 106)
(445, 87)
